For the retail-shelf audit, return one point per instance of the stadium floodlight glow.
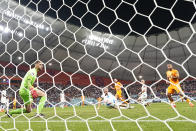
(19, 57)
(50, 64)
(26, 21)
(20, 34)
(1, 28)
(6, 30)
(9, 13)
(140, 77)
(47, 28)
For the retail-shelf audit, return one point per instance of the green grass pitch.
(120, 122)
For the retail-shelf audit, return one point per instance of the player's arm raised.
(120, 84)
(168, 77)
(112, 87)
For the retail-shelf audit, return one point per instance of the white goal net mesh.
(84, 45)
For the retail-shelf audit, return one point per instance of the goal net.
(86, 44)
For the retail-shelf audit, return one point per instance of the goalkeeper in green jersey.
(28, 92)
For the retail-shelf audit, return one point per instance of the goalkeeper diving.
(28, 92)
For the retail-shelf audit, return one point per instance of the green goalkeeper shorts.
(26, 96)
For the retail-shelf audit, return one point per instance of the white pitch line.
(103, 121)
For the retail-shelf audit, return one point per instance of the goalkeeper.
(28, 92)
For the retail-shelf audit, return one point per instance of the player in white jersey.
(62, 99)
(3, 100)
(7, 103)
(110, 100)
(143, 94)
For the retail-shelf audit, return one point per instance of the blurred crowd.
(71, 92)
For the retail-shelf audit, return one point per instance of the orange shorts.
(119, 94)
(172, 88)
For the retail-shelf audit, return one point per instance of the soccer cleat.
(191, 104)
(147, 104)
(8, 114)
(40, 115)
(173, 105)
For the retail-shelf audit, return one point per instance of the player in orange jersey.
(14, 103)
(82, 98)
(117, 87)
(173, 78)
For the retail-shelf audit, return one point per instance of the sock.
(124, 101)
(41, 104)
(187, 100)
(171, 100)
(18, 111)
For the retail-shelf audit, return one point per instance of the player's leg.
(180, 92)
(5, 106)
(144, 100)
(123, 100)
(2, 107)
(181, 95)
(116, 95)
(123, 105)
(27, 99)
(42, 101)
(169, 92)
(82, 98)
(139, 99)
(119, 95)
(182, 98)
(14, 105)
(171, 99)
(147, 104)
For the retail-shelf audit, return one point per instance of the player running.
(181, 97)
(28, 92)
(173, 77)
(117, 87)
(110, 100)
(143, 94)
